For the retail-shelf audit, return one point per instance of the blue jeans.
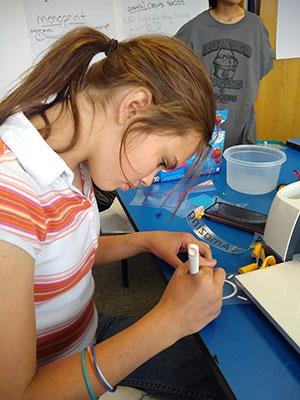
(180, 372)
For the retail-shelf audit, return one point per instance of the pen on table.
(193, 254)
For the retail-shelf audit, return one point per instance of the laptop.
(275, 290)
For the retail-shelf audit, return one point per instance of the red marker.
(297, 173)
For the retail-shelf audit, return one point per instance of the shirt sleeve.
(266, 52)
(22, 221)
(184, 34)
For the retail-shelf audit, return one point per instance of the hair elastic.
(85, 376)
(110, 46)
(99, 373)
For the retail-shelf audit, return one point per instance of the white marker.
(193, 253)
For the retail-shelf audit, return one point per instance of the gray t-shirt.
(236, 57)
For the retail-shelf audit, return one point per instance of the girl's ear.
(134, 101)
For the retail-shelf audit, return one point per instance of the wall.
(126, 18)
(14, 43)
(278, 102)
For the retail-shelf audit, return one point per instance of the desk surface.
(255, 359)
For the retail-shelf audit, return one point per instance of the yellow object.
(198, 215)
(259, 254)
(199, 212)
(256, 252)
(270, 260)
(248, 268)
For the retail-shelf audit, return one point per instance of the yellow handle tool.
(270, 260)
(248, 268)
(259, 254)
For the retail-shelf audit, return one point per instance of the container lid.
(254, 156)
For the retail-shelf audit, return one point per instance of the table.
(254, 358)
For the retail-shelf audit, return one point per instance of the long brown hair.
(183, 97)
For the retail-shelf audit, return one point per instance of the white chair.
(127, 393)
(114, 221)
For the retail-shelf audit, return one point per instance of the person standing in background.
(234, 46)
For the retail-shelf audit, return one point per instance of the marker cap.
(193, 254)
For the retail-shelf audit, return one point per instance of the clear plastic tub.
(253, 169)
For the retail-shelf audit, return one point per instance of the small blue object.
(158, 214)
(85, 376)
(202, 200)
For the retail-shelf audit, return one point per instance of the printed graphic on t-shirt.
(224, 66)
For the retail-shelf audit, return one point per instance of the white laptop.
(276, 291)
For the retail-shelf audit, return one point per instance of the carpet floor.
(146, 285)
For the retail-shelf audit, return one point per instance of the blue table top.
(255, 359)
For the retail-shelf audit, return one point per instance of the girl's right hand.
(192, 301)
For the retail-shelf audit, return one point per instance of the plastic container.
(253, 169)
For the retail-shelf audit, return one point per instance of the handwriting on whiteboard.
(165, 16)
(49, 20)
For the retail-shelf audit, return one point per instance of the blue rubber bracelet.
(86, 378)
(99, 375)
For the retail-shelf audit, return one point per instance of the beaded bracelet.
(85, 376)
(99, 373)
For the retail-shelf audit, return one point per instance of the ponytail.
(59, 76)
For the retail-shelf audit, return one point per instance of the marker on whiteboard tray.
(193, 253)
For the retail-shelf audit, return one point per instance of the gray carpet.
(145, 288)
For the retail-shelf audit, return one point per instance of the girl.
(148, 105)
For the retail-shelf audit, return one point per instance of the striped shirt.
(45, 215)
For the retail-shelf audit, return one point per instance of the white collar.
(34, 154)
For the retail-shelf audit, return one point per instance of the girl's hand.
(166, 245)
(192, 301)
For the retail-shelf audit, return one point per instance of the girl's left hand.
(166, 245)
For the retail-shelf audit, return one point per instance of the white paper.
(47, 20)
(288, 29)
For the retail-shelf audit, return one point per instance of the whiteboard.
(166, 16)
(288, 29)
(48, 20)
(28, 27)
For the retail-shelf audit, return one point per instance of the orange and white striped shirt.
(45, 215)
